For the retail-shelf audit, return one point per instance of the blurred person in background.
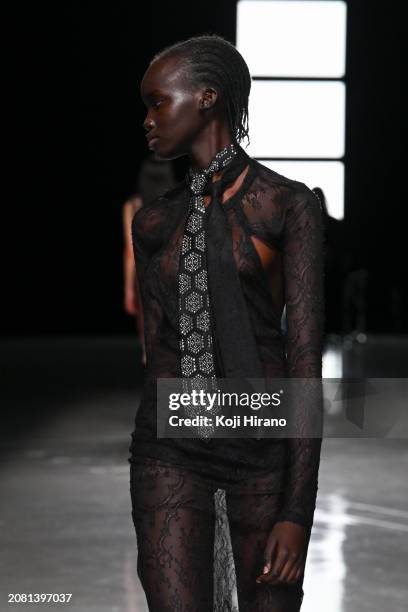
(155, 177)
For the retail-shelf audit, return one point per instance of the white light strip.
(293, 39)
(297, 119)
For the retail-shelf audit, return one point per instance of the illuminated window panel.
(328, 175)
(297, 119)
(292, 39)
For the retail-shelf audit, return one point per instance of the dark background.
(75, 141)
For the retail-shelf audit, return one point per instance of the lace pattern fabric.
(285, 217)
(174, 517)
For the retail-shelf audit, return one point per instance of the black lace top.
(268, 214)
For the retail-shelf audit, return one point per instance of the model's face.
(173, 110)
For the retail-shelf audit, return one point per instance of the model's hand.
(284, 556)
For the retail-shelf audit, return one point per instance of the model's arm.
(303, 285)
(131, 299)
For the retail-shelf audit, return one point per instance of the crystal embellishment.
(196, 346)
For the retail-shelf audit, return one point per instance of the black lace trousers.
(173, 515)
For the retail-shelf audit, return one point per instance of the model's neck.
(211, 141)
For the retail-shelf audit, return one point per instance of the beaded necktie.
(196, 343)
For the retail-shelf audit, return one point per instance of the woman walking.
(220, 258)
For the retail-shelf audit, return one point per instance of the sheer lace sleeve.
(303, 286)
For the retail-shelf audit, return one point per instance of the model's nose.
(148, 124)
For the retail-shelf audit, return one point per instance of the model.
(220, 258)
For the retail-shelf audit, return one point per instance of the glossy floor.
(65, 523)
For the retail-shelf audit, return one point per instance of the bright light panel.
(328, 175)
(292, 39)
(297, 119)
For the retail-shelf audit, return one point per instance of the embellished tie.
(215, 330)
(198, 363)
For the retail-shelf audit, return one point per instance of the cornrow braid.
(213, 61)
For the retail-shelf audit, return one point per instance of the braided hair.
(213, 61)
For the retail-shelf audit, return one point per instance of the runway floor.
(65, 522)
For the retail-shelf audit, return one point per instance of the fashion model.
(221, 258)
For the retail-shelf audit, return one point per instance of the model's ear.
(208, 98)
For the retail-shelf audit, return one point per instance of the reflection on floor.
(65, 513)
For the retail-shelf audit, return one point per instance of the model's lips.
(152, 141)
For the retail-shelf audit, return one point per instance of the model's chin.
(163, 152)
(159, 154)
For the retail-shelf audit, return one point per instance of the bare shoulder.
(131, 206)
(133, 203)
